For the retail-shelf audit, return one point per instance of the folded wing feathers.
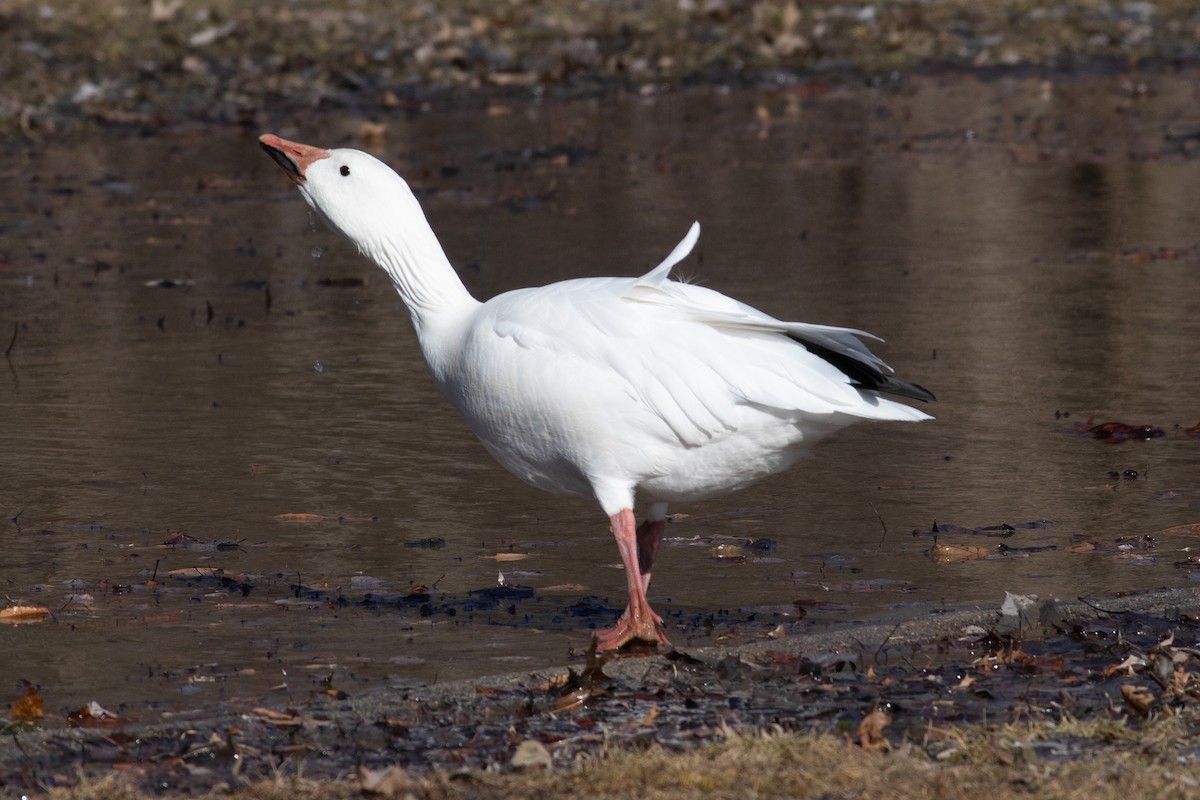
(841, 347)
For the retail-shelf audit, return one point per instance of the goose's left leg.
(649, 537)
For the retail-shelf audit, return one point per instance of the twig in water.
(882, 524)
(13, 340)
(886, 639)
(15, 519)
(1095, 607)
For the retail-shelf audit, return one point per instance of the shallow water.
(192, 355)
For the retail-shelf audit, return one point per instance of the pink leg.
(649, 536)
(639, 621)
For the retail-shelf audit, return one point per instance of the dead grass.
(1118, 761)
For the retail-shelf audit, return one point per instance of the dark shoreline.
(927, 673)
(117, 63)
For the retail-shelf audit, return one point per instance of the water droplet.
(315, 252)
(318, 366)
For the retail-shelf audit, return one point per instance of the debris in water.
(16, 615)
(1114, 432)
(29, 707)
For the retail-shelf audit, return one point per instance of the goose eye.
(344, 170)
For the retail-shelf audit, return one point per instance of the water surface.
(193, 356)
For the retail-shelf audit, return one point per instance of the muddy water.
(193, 357)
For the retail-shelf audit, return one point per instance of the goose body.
(608, 387)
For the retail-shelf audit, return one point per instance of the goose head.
(355, 193)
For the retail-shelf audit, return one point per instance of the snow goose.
(607, 386)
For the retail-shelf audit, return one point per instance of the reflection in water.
(1016, 271)
(1088, 196)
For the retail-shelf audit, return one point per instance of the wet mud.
(1109, 657)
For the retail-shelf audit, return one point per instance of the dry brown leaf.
(571, 701)
(564, 587)
(949, 553)
(532, 753)
(300, 517)
(1137, 698)
(508, 556)
(1180, 680)
(277, 717)
(728, 552)
(1128, 665)
(29, 706)
(94, 715)
(870, 730)
(196, 572)
(1191, 529)
(651, 715)
(1082, 547)
(16, 615)
(388, 782)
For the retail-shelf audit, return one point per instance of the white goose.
(607, 386)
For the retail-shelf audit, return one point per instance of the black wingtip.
(914, 391)
(865, 376)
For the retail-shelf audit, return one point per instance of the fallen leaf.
(94, 715)
(728, 552)
(1082, 547)
(16, 615)
(388, 782)
(28, 706)
(870, 730)
(949, 553)
(565, 588)
(1114, 432)
(1191, 529)
(508, 556)
(572, 700)
(531, 753)
(1128, 665)
(196, 572)
(277, 717)
(1137, 698)
(1181, 680)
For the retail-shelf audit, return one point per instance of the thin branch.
(882, 524)
(13, 340)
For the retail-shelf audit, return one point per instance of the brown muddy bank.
(229, 61)
(1117, 659)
